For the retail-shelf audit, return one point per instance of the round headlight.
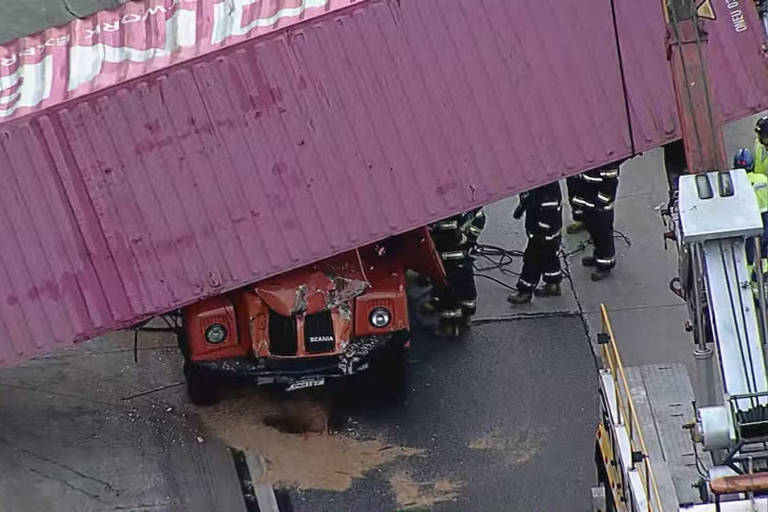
(380, 317)
(215, 333)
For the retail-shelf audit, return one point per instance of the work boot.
(574, 227)
(450, 330)
(548, 290)
(588, 261)
(521, 297)
(600, 274)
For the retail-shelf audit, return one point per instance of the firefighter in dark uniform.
(572, 184)
(593, 193)
(543, 221)
(455, 240)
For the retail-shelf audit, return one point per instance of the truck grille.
(282, 335)
(318, 333)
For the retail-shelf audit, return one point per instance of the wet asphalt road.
(527, 384)
(505, 415)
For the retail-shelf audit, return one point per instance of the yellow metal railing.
(628, 414)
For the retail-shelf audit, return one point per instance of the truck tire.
(387, 377)
(202, 391)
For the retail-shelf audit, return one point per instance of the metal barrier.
(624, 416)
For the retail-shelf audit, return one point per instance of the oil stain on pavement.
(493, 421)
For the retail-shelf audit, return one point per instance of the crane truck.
(667, 441)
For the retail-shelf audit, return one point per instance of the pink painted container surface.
(171, 150)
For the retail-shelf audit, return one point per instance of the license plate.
(306, 383)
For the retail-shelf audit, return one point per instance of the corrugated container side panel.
(737, 69)
(245, 111)
(32, 221)
(186, 162)
(465, 112)
(20, 311)
(511, 76)
(69, 218)
(69, 138)
(151, 234)
(373, 120)
(414, 119)
(738, 66)
(275, 207)
(391, 168)
(227, 168)
(314, 216)
(202, 160)
(331, 124)
(227, 151)
(61, 245)
(647, 73)
(155, 137)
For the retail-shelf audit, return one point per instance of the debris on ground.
(412, 495)
(519, 448)
(292, 436)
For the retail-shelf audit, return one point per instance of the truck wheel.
(202, 391)
(388, 377)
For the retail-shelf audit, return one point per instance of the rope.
(500, 259)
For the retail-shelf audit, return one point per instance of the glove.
(519, 211)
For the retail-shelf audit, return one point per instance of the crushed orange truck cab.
(331, 319)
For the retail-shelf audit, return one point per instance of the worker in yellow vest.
(761, 146)
(745, 160)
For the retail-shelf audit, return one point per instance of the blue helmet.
(743, 159)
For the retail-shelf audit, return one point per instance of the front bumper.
(357, 357)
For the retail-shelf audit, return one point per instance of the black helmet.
(761, 128)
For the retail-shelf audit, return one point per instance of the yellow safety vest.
(760, 183)
(761, 158)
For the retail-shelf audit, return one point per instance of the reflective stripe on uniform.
(594, 179)
(582, 202)
(452, 313)
(452, 255)
(475, 230)
(550, 204)
(447, 225)
(524, 283)
(553, 274)
(469, 303)
(605, 261)
(544, 225)
(552, 237)
(610, 174)
(604, 197)
(607, 207)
